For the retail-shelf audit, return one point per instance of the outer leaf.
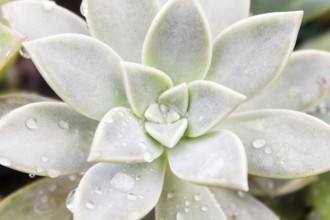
(176, 97)
(209, 104)
(10, 43)
(178, 41)
(120, 137)
(205, 160)
(93, 87)
(50, 19)
(182, 200)
(122, 25)
(44, 199)
(282, 143)
(242, 206)
(261, 186)
(223, 13)
(252, 52)
(107, 188)
(42, 138)
(321, 42)
(143, 86)
(303, 83)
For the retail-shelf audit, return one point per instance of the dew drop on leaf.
(122, 182)
(24, 53)
(197, 197)
(170, 195)
(63, 124)
(44, 158)
(259, 143)
(148, 157)
(89, 205)
(31, 123)
(179, 216)
(268, 150)
(48, 6)
(32, 175)
(204, 208)
(53, 173)
(70, 200)
(98, 191)
(131, 197)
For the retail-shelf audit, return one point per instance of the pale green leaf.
(38, 19)
(176, 97)
(120, 137)
(178, 41)
(304, 82)
(42, 138)
(84, 72)
(167, 134)
(209, 104)
(321, 42)
(262, 186)
(215, 159)
(282, 143)
(44, 199)
(181, 200)
(10, 43)
(252, 52)
(118, 191)
(143, 86)
(239, 205)
(154, 114)
(122, 25)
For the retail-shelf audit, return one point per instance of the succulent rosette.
(147, 105)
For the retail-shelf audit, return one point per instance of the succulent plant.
(149, 120)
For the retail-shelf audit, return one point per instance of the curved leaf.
(42, 138)
(215, 159)
(182, 200)
(178, 42)
(50, 18)
(282, 143)
(209, 104)
(143, 86)
(93, 87)
(304, 82)
(252, 52)
(176, 97)
(120, 137)
(107, 188)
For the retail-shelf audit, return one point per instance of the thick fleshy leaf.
(44, 199)
(282, 143)
(10, 43)
(252, 52)
(117, 191)
(209, 104)
(84, 72)
(178, 41)
(8, 102)
(143, 86)
(120, 137)
(167, 134)
(42, 138)
(239, 205)
(38, 19)
(176, 97)
(223, 13)
(215, 159)
(262, 186)
(302, 84)
(122, 25)
(182, 200)
(321, 42)
(154, 114)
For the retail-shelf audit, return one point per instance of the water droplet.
(201, 118)
(293, 92)
(44, 158)
(187, 203)
(53, 173)
(137, 178)
(70, 200)
(131, 197)
(259, 143)
(143, 145)
(109, 119)
(40, 170)
(98, 190)
(89, 205)
(197, 197)
(170, 195)
(24, 53)
(121, 114)
(148, 157)
(179, 216)
(73, 178)
(84, 8)
(122, 182)
(32, 175)
(268, 150)
(48, 5)
(5, 161)
(31, 123)
(63, 124)
(187, 210)
(241, 194)
(204, 208)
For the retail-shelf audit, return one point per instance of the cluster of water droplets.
(262, 144)
(295, 91)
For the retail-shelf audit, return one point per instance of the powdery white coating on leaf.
(209, 104)
(120, 137)
(122, 25)
(143, 86)
(252, 52)
(304, 82)
(206, 160)
(167, 134)
(44, 18)
(239, 205)
(84, 72)
(34, 140)
(178, 41)
(127, 191)
(297, 145)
